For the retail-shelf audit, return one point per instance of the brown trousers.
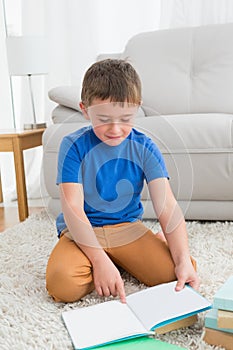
(147, 258)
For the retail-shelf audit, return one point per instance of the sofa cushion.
(162, 60)
(181, 73)
(192, 133)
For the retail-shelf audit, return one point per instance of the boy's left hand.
(185, 273)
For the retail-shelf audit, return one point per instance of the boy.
(101, 170)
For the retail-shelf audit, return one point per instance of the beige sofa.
(187, 80)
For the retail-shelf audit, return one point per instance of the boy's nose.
(115, 127)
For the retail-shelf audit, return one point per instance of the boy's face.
(112, 121)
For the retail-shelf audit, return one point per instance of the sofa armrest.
(62, 114)
(68, 96)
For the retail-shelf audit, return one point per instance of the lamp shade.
(27, 55)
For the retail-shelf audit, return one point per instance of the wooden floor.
(9, 216)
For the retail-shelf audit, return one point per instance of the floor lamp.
(27, 56)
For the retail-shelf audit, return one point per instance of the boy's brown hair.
(111, 78)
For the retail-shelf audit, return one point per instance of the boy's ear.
(84, 110)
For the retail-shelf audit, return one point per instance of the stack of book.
(219, 320)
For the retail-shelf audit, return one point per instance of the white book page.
(101, 323)
(162, 302)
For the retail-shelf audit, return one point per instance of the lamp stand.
(34, 125)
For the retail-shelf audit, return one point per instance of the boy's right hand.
(107, 279)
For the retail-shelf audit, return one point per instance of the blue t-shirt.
(112, 176)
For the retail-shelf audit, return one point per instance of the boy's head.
(111, 95)
(111, 79)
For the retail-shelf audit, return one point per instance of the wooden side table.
(1, 194)
(17, 141)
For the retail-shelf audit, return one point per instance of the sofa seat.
(198, 151)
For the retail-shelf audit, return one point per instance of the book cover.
(184, 322)
(143, 343)
(225, 319)
(144, 311)
(211, 321)
(219, 338)
(223, 298)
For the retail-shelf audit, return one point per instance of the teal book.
(143, 312)
(211, 321)
(223, 299)
(141, 344)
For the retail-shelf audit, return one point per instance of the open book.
(144, 311)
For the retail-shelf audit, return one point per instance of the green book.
(141, 344)
(223, 299)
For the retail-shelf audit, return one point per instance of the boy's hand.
(185, 273)
(107, 279)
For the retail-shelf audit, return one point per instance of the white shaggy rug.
(29, 319)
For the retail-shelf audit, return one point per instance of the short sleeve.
(68, 162)
(154, 164)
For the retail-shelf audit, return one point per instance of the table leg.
(20, 180)
(1, 194)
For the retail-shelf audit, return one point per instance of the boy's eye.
(104, 120)
(126, 120)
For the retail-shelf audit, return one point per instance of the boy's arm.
(107, 278)
(173, 225)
